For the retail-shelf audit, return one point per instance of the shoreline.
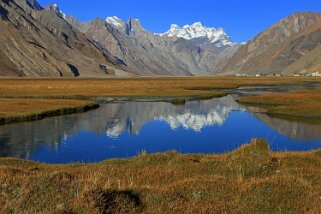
(171, 153)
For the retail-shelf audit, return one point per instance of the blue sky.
(242, 19)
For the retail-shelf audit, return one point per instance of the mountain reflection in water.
(124, 129)
(196, 115)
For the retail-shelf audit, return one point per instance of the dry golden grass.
(299, 104)
(171, 86)
(12, 110)
(249, 180)
(179, 87)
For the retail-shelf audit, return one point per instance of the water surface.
(122, 130)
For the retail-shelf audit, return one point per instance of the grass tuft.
(253, 160)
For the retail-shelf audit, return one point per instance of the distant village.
(314, 74)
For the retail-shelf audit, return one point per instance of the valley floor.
(158, 86)
(250, 180)
(29, 99)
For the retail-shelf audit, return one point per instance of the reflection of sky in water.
(125, 129)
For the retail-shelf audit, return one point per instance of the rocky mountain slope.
(146, 53)
(37, 42)
(290, 46)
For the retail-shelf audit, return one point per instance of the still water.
(122, 130)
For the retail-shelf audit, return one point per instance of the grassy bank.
(16, 110)
(250, 180)
(299, 104)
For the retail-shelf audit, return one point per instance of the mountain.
(38, 42)
(290, 46)
(196, 31)
(46, 42)
(134, 47)
(146, 53)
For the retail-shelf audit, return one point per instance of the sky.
(241, 19)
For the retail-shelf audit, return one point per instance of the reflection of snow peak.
(117, 128)
(115, 131)
(197, 122)
(194, 116)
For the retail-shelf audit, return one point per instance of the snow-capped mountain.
(216, 36)
(55, 8)
(144, 53)
(115, 21)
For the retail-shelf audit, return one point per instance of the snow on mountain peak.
(197, 25)
(115, 21)
(216, 36)
(174, 26)
(55, 8)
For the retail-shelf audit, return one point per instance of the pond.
(126, 129)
